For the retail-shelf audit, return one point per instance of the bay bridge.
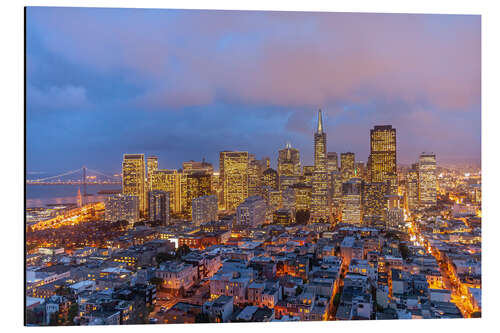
(81, 176)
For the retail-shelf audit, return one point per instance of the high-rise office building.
(374, 202)
(287, 181)
(352, 208)
(169, 181)
(335, 189)
(288, 161)
(307, 174)
(254, 175)
(336, 185)
(251, 212)
(427, 180)
(360, 170)
(347, 166)
(159, 206)
(412, 188)
(275, 200)
(288, 200)
(270, 178)
(121, 207)
(133, 179)
(302, 196)
(319, 196)
(151, 166)
(333, 163)
(265, 162)
(233, 177)
(204, 209)
(383, 166)
(197, 167)
(193, 185)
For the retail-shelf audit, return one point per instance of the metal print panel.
(196, 166)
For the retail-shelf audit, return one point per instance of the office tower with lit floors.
(204, 209)
(320, 211)
(151, 166)
(360, 170)
(374, 203)
(197, 167)
(159, 206)
(169, 181)
(288, 161)
(251, 212)
(411, 193)
(427, 180)
(347, 166)
(193, 185)
(134, 178)
(254, 175)
(270, 178)
(332, 161)
(121, 207)
(383, 165)
(307, 174)
(233, 167)
(352, 206)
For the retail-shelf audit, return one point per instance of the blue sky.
(185, 84)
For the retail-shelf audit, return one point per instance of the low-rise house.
(219, 309)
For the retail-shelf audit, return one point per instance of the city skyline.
(275, 167)
(429, 91)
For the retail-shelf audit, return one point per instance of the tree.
(182, 251)
(164, 256)
(72, 313)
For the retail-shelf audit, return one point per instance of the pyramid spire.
(320, 123)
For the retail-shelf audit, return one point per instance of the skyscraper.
(251, 212)
(302, 196)
(412, 188)
(374, 202)
(347, 166)
(307, 174)
(169, 181)
(133, 179)
(333, 163)
(152, 166)
(288, 161)
(332, 166)
(254, 175)
(120, 207)
(319, 195)
(233, 166)
(196, 167)
(383, 165)
(204, 209)
(193, 185)
(159, 206)
(427, 181)
(360, 170)
(352, 208)
(270, 178)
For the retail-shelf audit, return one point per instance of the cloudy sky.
(185, 85)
